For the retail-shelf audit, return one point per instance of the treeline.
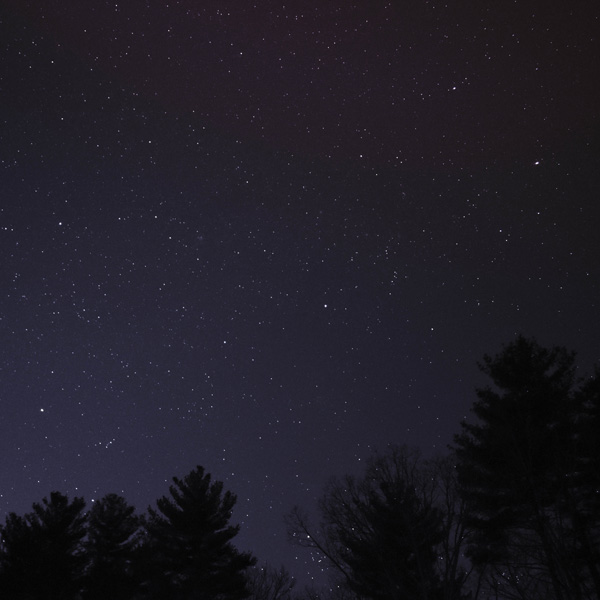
(511, 512)
(182, 549)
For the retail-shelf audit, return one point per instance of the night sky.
(270, 239)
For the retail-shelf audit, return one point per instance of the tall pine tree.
(110, 549)
(517, 467)
(41, 554)
(190, 542)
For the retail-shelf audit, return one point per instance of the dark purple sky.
(269, 240)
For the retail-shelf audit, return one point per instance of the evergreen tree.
(581, 497)
(518, 465)
(189, 543)
(41, 554)
(110, 548)
(17, 557)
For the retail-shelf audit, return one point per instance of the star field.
(269, 239)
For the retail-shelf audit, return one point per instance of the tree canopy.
(389, 534)
(41, 554)
(112, 539)
(181, 550)
(525, 470)
(511, 512)
(191, 541)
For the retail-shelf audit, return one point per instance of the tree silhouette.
(384, 533)
(268, 583)
(41, 554)
(17, 557)
(110, 549)
(520, 470)
(583, 482)
(189, 542)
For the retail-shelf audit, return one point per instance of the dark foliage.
(521, 490)
(42, 554)
(111, 549)
(392, 533)
(190, 542)
(526, 470)
(182, 551)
